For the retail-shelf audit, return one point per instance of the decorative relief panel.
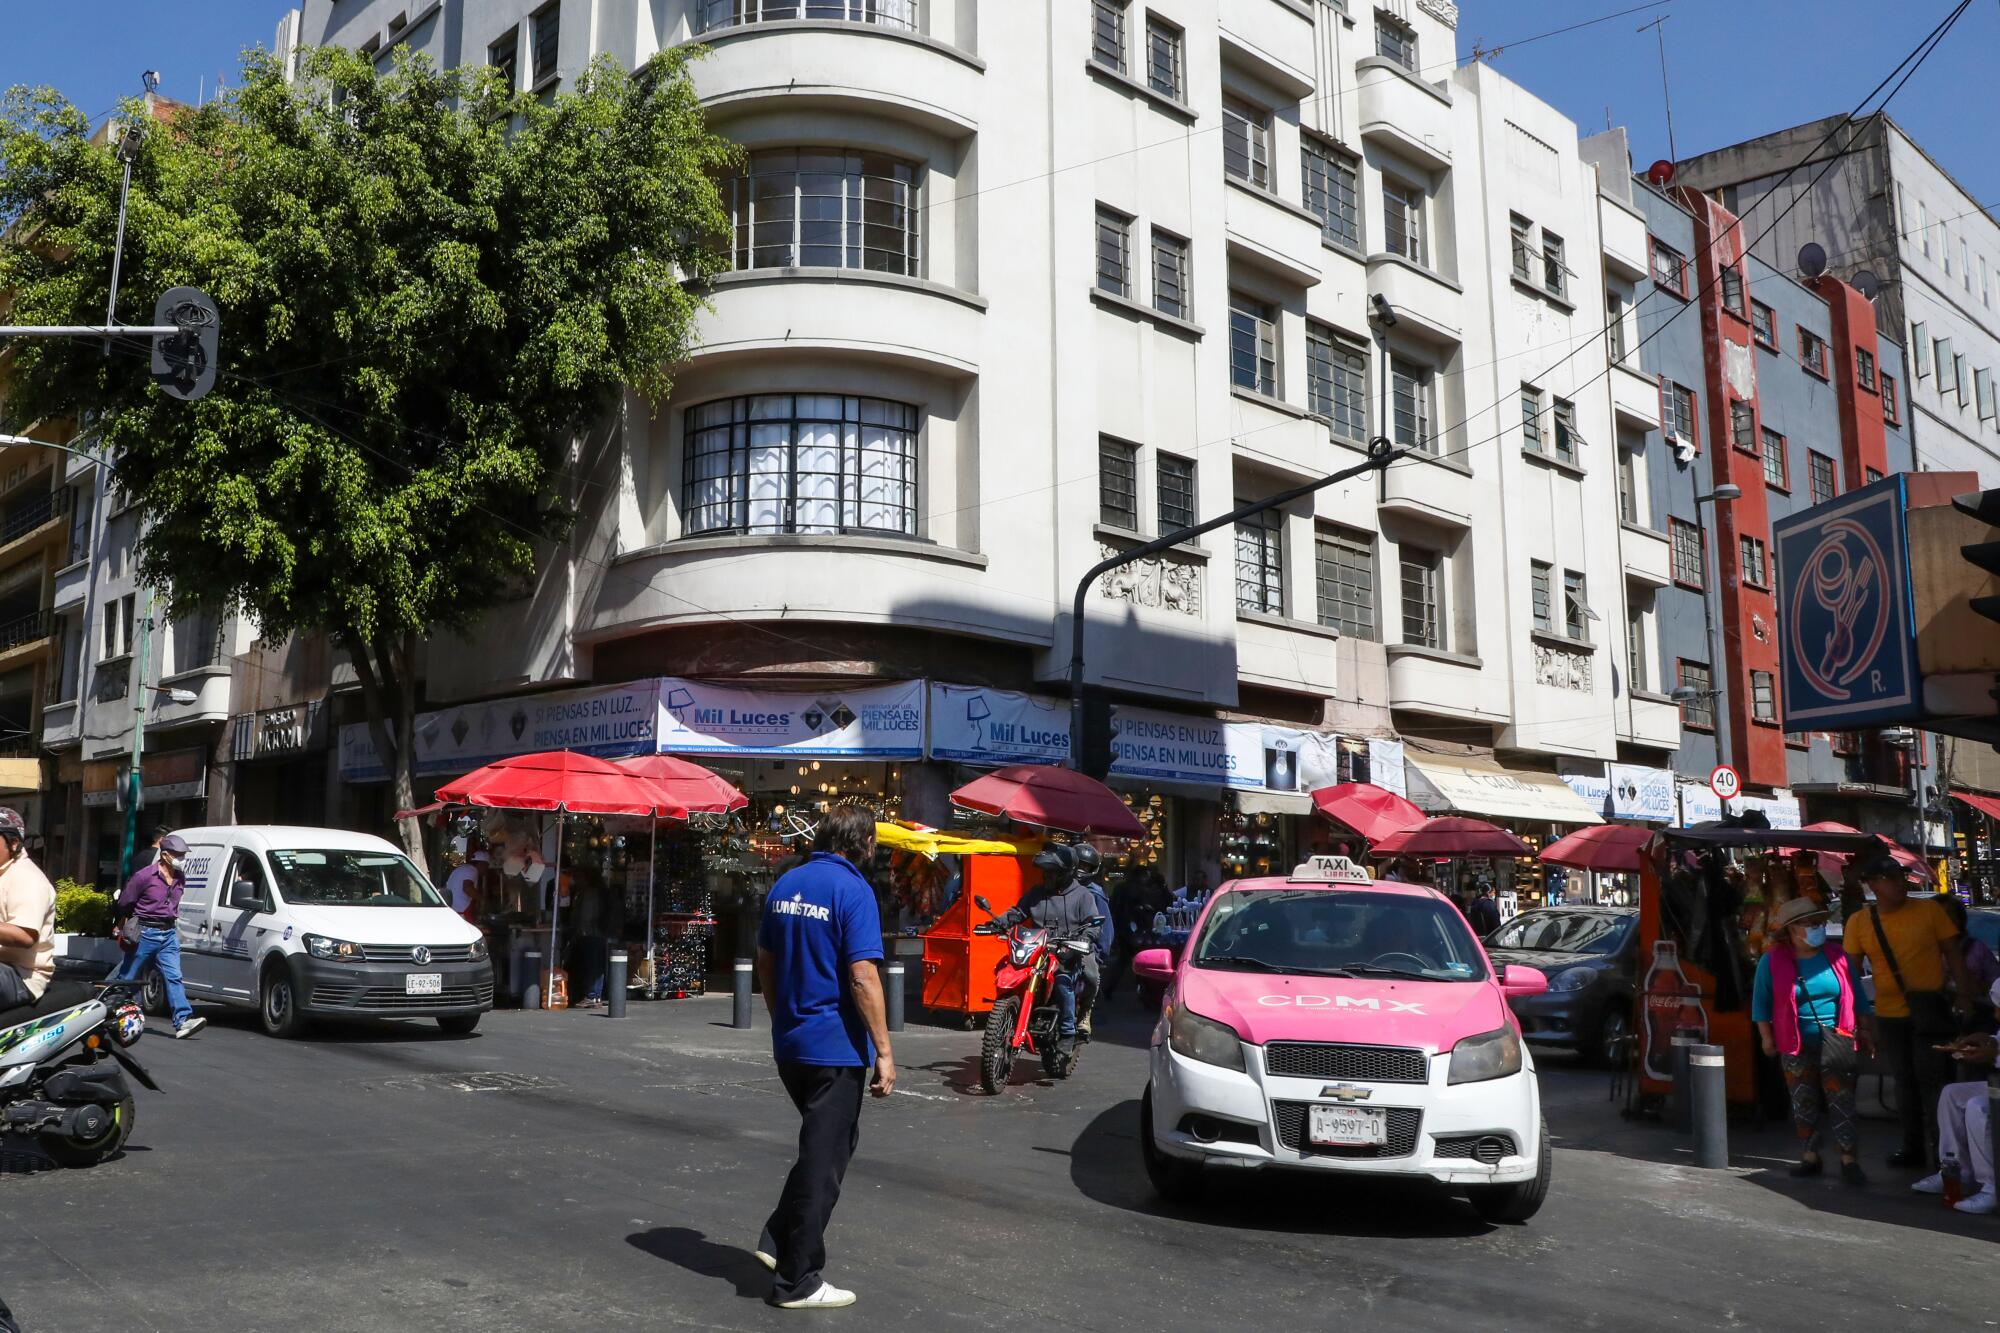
(1160, 582)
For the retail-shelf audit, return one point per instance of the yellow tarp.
(933, 843)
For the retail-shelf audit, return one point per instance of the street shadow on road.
(962, 1075)
(340, 1031)
(687, 1248)
(1105, 1166)
(1885, 1199)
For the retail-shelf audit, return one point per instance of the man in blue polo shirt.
(816, 954)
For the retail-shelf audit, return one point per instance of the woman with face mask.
(1808, 1012)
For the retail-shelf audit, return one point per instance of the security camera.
(1384, 312)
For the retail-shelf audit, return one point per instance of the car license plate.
(1347, 1127)
(424, 983)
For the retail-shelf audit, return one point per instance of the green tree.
(428, 285)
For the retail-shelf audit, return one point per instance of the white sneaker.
(1930, 1184)
(769, 1261)
(1985, 1201)
(189, 1028)
(827, 1297)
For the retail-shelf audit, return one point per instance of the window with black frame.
(812, 463)
(826, 208)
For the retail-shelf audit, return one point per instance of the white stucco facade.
(1023, 365)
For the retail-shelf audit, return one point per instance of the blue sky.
(1738, 67)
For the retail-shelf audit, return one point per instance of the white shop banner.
(1385, 766)
(1627, 791)
(1699, 805)
(1281, 759)
(852, 722)
(1177, 747)
(974, 725)
(606, 721)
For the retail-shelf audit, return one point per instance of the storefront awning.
(1482, 787)
(20, 775)
(1274, 803)
(1985, 805)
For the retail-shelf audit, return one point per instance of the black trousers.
(829, 1100)
(1920, 1074)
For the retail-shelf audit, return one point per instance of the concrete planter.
(87, 950)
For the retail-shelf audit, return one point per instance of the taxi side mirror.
(1519, 982)
(1153, 964)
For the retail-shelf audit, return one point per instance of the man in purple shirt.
(153, 895)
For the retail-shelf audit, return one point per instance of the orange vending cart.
(958, 965)
(1699, 936)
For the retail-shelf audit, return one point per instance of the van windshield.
(351, 879)
(1316, 932)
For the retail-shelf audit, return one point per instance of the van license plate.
(1347, 1127)
(424, 983)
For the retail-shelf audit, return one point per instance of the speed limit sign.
(1725, 783)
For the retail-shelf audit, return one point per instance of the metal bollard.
(1708, 1092)
(742, 1015)
(614, 985)
(1680, 1112)
(531, 993)
(892, 989)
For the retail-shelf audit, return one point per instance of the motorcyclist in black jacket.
(1062, 903)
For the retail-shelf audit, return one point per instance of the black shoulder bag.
(1930, 1010)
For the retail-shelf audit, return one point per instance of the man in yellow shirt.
(1910, 945)
(27, 919)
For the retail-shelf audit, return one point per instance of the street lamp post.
(1720, 495)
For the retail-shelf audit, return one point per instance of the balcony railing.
(24, 629)
(717, 15)
(23, 518)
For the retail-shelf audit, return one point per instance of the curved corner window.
(823, 463)
(820, 208)
(713, 14)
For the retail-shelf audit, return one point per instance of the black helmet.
(1088, 862)
(1055, 859)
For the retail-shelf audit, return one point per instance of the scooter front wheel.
(996, 1050)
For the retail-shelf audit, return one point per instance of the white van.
(306, 922)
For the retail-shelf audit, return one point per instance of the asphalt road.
(567, 1172)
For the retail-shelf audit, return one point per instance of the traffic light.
(184, 361)
(1984, 506)
(1095, 753)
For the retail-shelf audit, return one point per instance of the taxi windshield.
(351, 879)
(1316, 932)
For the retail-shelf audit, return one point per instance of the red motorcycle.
(1025, 1016)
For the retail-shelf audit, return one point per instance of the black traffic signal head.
(1984, 506)
(1095, 753)
(184, 362)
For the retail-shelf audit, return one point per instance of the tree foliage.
(428, 286)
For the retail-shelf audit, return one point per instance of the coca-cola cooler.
(1677, 998)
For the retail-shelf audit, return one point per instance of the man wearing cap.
(27, 919)
(153, 895)
(1910, 945)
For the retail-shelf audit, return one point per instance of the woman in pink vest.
(1808, 1009)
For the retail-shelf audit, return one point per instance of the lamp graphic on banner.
(679, 700)
(977, 710)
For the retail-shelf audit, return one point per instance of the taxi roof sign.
(1329, 870)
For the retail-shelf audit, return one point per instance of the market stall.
(1705, 896)
(998, 866)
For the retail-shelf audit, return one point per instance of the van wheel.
(278, 1004)
(459, 1025)
(1516, 1203)
(153, 994)
(1173, 1180)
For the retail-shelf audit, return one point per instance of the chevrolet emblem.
(1346, 1092)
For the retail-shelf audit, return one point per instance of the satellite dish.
(1812, 259)
(1868, 284)
(1660, 173)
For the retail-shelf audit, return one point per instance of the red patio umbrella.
(566, 783)
(1453, 836)
(696, 790)
(1599, 847)
(1832, 863)
(1057, 798)
(693, 789)
(1373, 812)
(562, 781)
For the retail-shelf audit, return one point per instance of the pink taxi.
(1330, 1022)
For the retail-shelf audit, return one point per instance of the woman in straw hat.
(1808, 1011)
